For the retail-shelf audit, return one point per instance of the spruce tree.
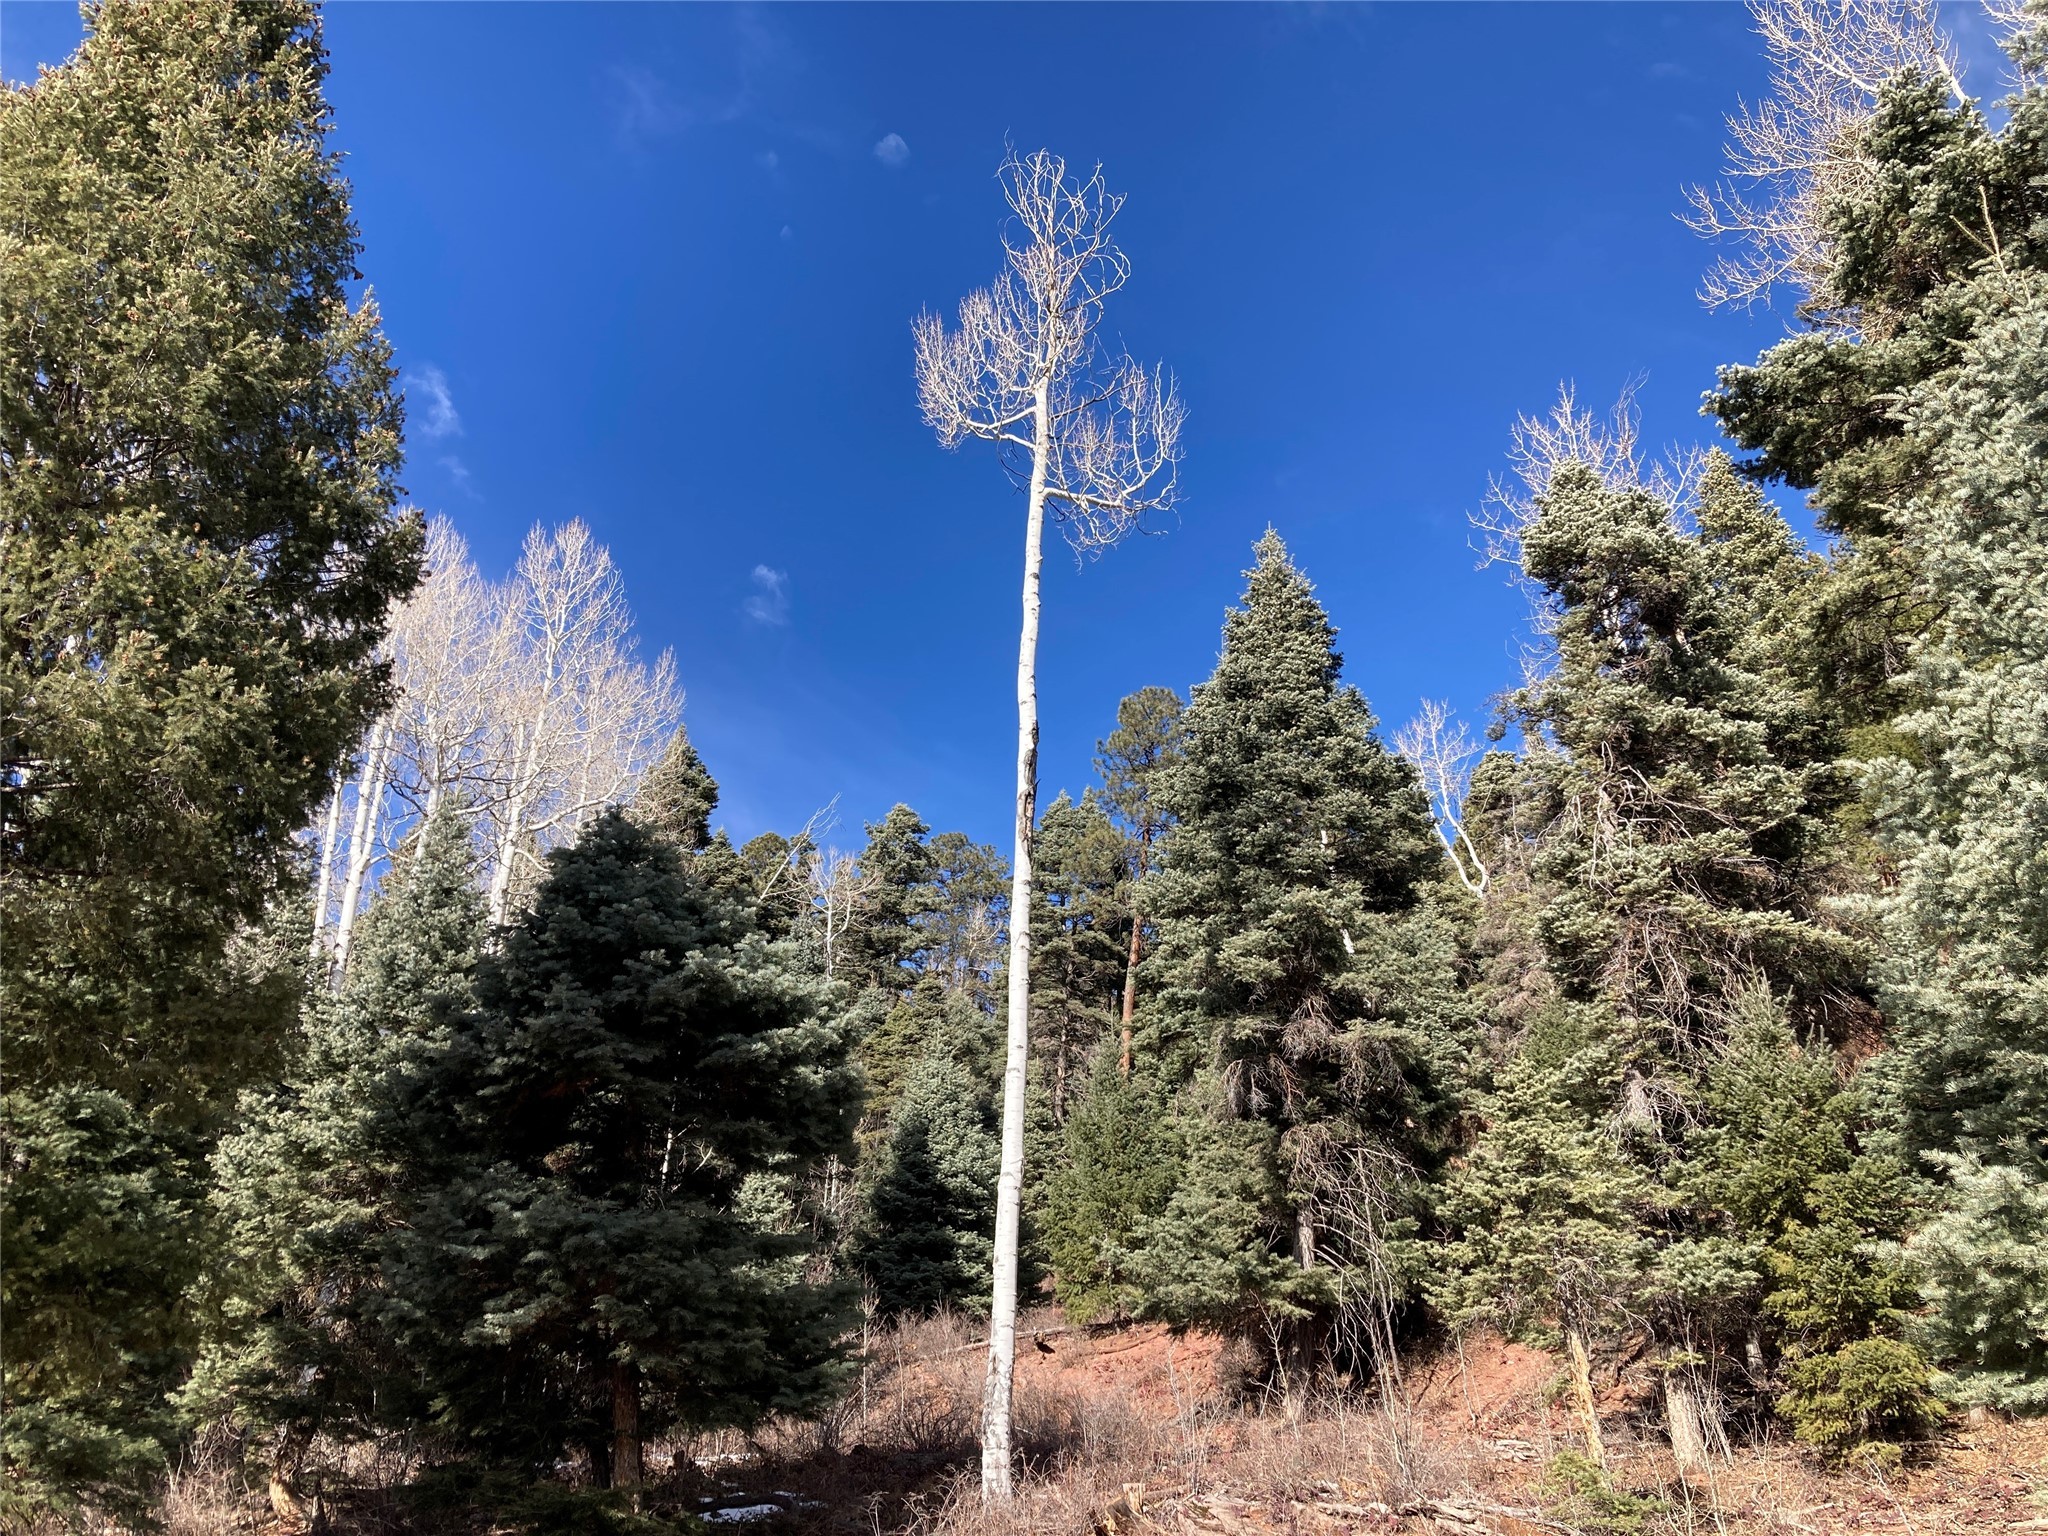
(587, 1266)
(309, 1191)
(1300, 966)
(1965, 978)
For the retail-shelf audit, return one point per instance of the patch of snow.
(739, 1513)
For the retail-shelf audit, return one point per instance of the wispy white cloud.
(892, 151)
(435, 414)
(770, 602)
(768, 160)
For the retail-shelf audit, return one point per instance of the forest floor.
(1136, 1431)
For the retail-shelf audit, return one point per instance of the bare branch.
(1800, 149)
(1443, 753)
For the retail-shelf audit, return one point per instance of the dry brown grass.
(1137, 1432)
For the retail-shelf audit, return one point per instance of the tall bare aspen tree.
(1096, 441)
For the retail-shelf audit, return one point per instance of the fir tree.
(678, 795)
(1680, 817)
(1298, 957)
(1077, 948)
(308, 1192)
(1113, 1166)
(584, 1268)
(201, 444)
(925, 1242)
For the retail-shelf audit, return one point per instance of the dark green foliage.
(927, 1239)
(585, 1252)
(1859, 1397)
(201, 440)
(1299, 960)
(1945, 200)
(1132, 761)
(1115, 1164)
(308, 1194)
(678, 795)
(1078, 944)
(97, 1212)
(881, 948)
(1549, 1207)
(1690, 789)
(933, 1018)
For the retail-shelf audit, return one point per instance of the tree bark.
(1582, 1392)
(996, 1485)
(625, 1424)
(362, 838)
(1685, 1418)
(1123, 1059)
(324, 887)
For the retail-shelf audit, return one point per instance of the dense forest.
(397, 1048)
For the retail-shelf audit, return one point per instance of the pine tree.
(930, 1208)
(584, 1268)
(1297, 958)
(308, 1191)
(1131, 760)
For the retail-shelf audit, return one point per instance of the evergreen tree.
(1112, 1166)
(588, 1265)
(933, 1018)
(309, 1190)
(201, 441)
(678, 795)
(882, 949)
(1131, 760)
(925, 1242)
(1965, 977)
(198, 450)
(1943, 198)
(1077, 948)
(1298, 959)
(1682, 813)
(1549, 1207)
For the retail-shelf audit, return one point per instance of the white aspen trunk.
(324, 887)
(362, 840)
(1002, 1333)
(508, 835)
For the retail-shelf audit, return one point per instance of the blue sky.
(655, 266)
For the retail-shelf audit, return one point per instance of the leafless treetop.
(1793, 153)
(1025, 360)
